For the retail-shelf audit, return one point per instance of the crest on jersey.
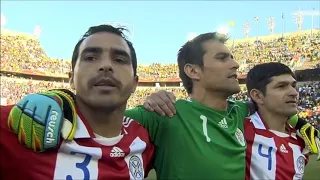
(240, 137)
(135, 167)
(300, 164)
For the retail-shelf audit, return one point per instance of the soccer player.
(273, 149)
(106, 145)
(204, 139)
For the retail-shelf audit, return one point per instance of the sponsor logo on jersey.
(50, 136)
(300, 164)
(135, 167)
(283, 149)
(116, 152)
(223, 123)
(240, 137)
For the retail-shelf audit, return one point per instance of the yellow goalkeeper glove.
(309, 134)
(38, 119)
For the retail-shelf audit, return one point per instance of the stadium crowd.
(21, 52)
(293, 51)
(24, 52)
(317, 66)
(14, 88)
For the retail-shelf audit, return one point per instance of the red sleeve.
(137, 130)
(7, 140)
(249, 137)
(19, 162)
(13, 156)
(148, 156)
(4, 129)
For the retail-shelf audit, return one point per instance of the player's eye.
(90, 58)
(281, 86)
(120, 59)
(222, 57)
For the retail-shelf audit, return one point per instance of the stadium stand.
(23, 62)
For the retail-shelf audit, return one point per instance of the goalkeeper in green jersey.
(204, 138)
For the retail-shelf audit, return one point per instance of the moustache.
(105, 77)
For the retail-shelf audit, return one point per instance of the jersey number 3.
(82, 166)
(71, 165)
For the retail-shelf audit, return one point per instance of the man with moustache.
(100, 143)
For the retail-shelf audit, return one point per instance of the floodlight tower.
(298, 19)
(37, 31)
(128, 26)
(271, 22)
(256, 18)
(283, 23)
(3, 20)
(312, 13)
(246, 29)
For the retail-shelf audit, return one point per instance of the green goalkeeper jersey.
(198, 142)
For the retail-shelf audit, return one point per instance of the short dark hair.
(261, 75)
(110, 29)
(192, 52)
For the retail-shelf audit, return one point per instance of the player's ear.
(192, 71)
(256, 96)
(71, 80)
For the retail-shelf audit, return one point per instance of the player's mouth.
(105, 84)
(233, 77)
(292, 102)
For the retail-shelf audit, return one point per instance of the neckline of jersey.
(208, 108)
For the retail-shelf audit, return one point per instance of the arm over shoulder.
(149, 120)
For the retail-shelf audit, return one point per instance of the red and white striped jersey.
(271, 154)
(88, 156)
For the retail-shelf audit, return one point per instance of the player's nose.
(105, 64)
(293, 92)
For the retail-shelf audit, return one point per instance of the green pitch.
(312, 170)
(152, 175)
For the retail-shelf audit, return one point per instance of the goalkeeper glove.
(38, 119)
(310, 136)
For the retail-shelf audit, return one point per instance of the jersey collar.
(84, 130)
(259, 123)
